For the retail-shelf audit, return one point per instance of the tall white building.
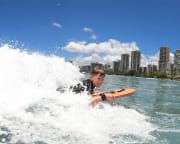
(116, 66)
(151, 68)
(124, 63)
(135, 60)
(164, 62)
(96, 65)
(177, 60)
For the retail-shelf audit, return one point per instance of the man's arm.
(100, 97)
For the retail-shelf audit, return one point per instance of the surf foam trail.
(32, 111)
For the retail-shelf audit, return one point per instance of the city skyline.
(90, 30)
(132, 63)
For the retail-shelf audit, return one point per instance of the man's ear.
(91, 78)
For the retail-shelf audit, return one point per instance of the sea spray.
(32, 111)
(25, 77)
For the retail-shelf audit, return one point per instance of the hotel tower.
(164, 61)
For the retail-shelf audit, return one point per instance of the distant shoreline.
(178, 79)
(148, 76)
(157, 75)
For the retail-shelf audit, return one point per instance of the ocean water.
(33, 112)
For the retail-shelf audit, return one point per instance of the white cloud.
(55, 24)
(171, 57)
(87, 29)
(107, 52)
(110, 47)
(107, 59)
(94, 37)
(80, 61)
(111, 51)
(145, 60)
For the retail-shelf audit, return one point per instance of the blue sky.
(51, 26)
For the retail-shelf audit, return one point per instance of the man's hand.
(96, 98)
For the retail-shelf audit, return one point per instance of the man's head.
(97, 76)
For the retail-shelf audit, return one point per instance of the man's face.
(97, 80)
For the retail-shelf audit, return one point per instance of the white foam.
(25, 77)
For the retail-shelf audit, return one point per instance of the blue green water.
(156, 98)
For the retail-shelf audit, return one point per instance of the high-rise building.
(85, 68)
(164, 62)
(151, 68)
(135, 60)
(116, 66)
(96, 65)
(107, 67)
(177, 60)
(124, 63)
(142, 69)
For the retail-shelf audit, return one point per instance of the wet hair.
(98, 70)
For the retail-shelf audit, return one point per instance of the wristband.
(103, 96)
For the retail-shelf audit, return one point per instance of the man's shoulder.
(87, 81)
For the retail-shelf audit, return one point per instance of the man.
(96, 79)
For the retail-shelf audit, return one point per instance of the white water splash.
(27, 77)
